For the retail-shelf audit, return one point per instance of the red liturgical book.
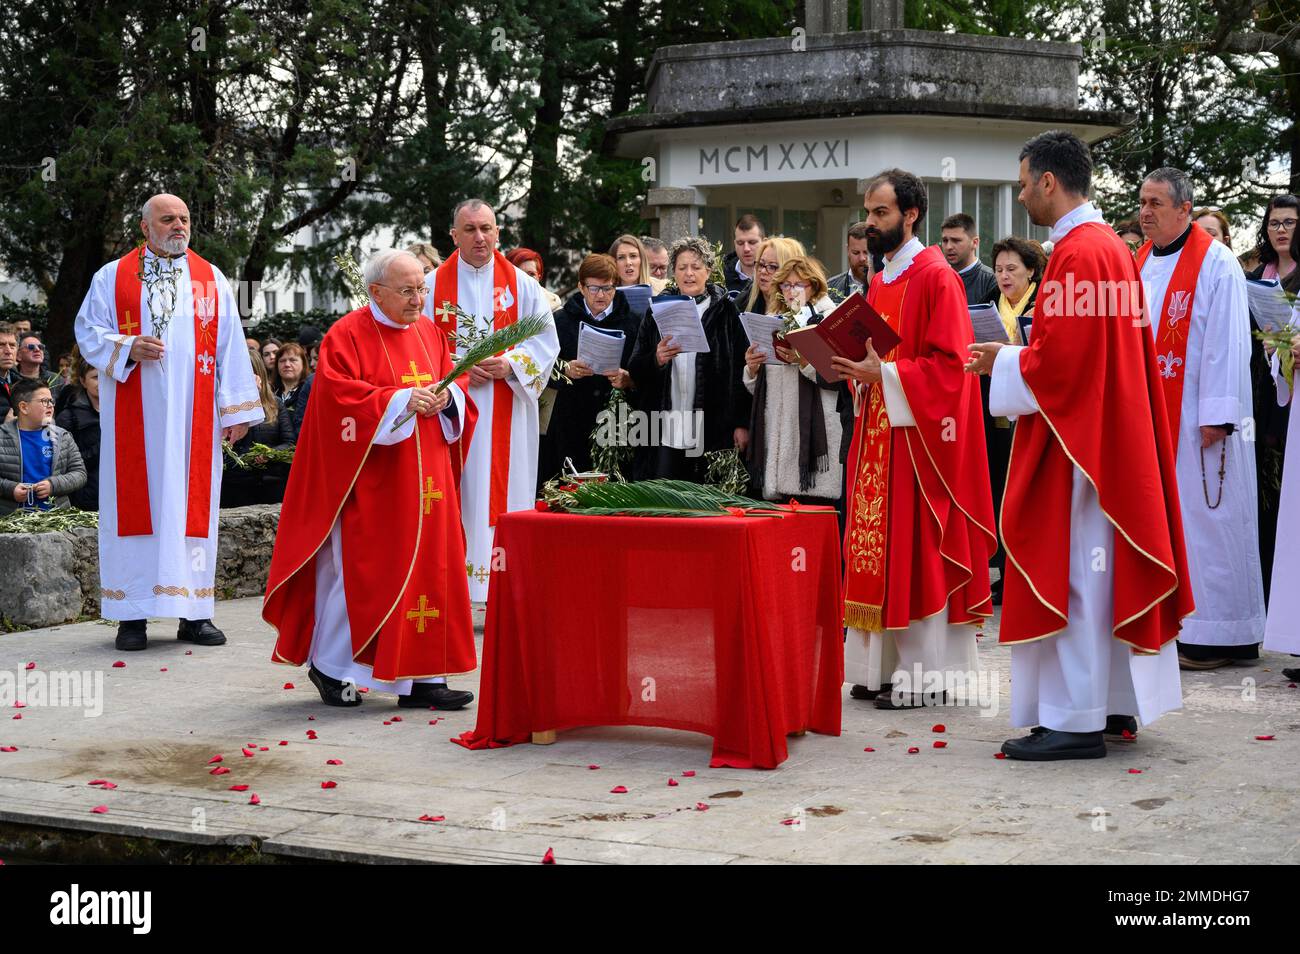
(844, 332)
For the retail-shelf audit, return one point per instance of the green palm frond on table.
(47, 521)
(651, 498)
(500, 340)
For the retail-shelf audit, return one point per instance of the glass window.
(986, 219)
(299, 301)
(715, 225)
(801, 225)
(268, 298)
(937, 211)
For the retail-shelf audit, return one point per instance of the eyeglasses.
(768, 267)
(41, 348)
(49, 401)
(599, 289)
(411, 291)
(1275, 225)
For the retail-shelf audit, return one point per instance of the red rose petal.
(386, 722)
(913, 750)
(333, 761)
(163, 669)
(108, 786)
(263, 748)
(672, 782)
(119, 665)
(701, 807)
(618, 790)
(789, 821)
(220, 770)
(189, 652)
(99, 810)
(254, 800)
(8, 748)
(868, 749)
(18, 716)
(939, 728)
(434, 721)
(214, 759)
(1290, 685)
(248, 753)
(20, 705)
(362, 689)
(397, 718)
(689, 773)
(593, 767)
(1264, 738)
(549, 857)
(940, 744)
(31, 666)
(1134, 771)
(1000, 755)
(433, 818)
(282, 742)
(329, 784)
(311, 718)
(288, 685)
(239, 788)
(98, 781)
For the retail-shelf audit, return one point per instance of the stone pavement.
(1205, 789)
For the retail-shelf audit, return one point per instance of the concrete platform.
(1206, 790)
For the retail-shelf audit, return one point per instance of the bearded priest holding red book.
(1097, 580)
(367, 580)
(920, 511)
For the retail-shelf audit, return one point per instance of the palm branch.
(654, 498)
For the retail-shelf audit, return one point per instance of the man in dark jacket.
(740, 264)
(960, 243)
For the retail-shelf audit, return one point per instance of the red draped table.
(729, 626)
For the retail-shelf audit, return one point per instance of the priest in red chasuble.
(1097, 577)
(920, 512)
(367, 582)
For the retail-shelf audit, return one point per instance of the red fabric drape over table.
(728, 626)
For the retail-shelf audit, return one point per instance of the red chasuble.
(398, 506)
(1091, 367)
(920, 517)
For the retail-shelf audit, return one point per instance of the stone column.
(882, 15)
(678, 212)
(826, 16)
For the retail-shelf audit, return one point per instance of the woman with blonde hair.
(795, 431)
(772, 254)
(633, 264)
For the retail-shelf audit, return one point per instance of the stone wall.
(52, 578)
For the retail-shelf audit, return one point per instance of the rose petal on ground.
(311, 718)
(397, 718)
(189, 652)
(362, 689)
(1134, 771)
(220, 770)
(8, 748)
(789, 821)
(239, 788)
(1000, 755)
(99, 810)
(119, 665)
(283, 742)
(20, 705)
(214, 759)
(940, 744)
(549, 857)
(672, 781)
(31, 666)
(434, 721)
(701, 807)
(254, 800)
(593, 767)
(913, 750)
(433, 818)
(163, 669)
(333, 761)
(689, 773)
(248, 753)
(329, 784)
(618, 790)
(387, 722)
(98, 781)
(108, 786)
(939, 728)
(1264, 738)
(288, 685)
(18, 716)
(263, 748)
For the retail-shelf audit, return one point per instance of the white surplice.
(165, 573)
(331, 640)
(927, 646)
(1222, 542)
(1282, 634)
(1073, 680)
(530, 369)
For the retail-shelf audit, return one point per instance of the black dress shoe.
(132, 635)
(1292, 674)
(435, 695)
(862, 692)
(200, 632)
(888, 699)
(334, 692)
(1051, 745)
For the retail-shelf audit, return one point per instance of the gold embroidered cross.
(429, 495)
(482, 574)
(417, 377)
(445, 312)
(422, 612)
(129, 326)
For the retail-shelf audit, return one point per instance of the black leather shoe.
(862, 692)
(435, 695)
(334, 692)
(200, 632)
(1118, 725)
(1051, 745)
(1292, 674)
(888, 699)
(132, 635)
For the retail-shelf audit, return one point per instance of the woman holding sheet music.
(695, 400)
(795, 432)
(596, 303)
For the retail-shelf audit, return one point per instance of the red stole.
(131, 468)
(1175, 318)
(505, 312)
(864, 542)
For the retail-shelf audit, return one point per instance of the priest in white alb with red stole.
(920, 512)
(500, 466)
(367, 582)
(1097, 580)
(1196, 298)
(161, 325)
